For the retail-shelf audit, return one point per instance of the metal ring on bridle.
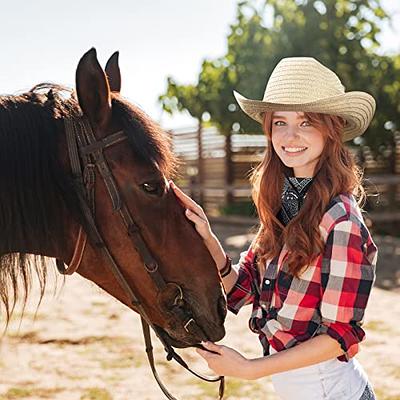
(191, 320)
(180, 296)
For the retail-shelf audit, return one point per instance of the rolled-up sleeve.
(347, 276)
(245, 288)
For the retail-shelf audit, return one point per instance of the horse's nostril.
(222, 307)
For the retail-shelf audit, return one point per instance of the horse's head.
(141, 167)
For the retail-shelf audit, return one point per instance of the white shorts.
(328, 380)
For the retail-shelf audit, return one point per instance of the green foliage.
(342, 34)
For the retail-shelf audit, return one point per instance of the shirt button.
(267, 281)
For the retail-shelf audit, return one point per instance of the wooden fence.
(214, 170)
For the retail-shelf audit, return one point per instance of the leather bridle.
(86, 155)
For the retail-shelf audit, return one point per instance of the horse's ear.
(113, 73)
(93, 89)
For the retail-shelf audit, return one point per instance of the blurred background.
(351, 37)
(180, 62)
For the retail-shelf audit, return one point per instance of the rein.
(86, 155)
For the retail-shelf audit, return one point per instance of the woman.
(310, 269)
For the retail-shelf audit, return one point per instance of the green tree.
(342, 34)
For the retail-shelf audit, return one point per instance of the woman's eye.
(279, 123)
(306, 123)
(152, 188)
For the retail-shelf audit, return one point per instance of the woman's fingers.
(210, 350)
(187, 201)
(194, 213)
(212, 347)
(184, 198)
(194, 217)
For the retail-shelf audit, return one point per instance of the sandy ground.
(84, 345)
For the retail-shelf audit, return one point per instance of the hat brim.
(357, 108)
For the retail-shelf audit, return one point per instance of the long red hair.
(337, 173)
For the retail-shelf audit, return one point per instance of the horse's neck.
(62, 248)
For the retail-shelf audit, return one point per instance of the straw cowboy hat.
(304, 84)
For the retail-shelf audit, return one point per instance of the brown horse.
(41, 214)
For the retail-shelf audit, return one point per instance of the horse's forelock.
(149, 142)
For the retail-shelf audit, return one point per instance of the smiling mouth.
(294, 150)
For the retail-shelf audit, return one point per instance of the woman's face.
(297, 143)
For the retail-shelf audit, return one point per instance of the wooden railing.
(216, 181)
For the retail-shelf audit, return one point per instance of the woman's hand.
(226, 361)
(194, 213)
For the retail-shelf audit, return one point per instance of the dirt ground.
(84, 345)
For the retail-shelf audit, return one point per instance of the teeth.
(294, 149)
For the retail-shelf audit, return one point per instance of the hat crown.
(300, 80)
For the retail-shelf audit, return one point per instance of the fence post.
(396, 152)
(228, 170)
(200, 164)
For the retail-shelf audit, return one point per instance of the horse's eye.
(151, 188)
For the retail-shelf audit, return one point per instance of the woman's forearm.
(218, 254)
(313, 351)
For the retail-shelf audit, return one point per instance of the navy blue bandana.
(293, 195)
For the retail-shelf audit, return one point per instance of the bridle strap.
(86, 140)
(133, 230)
(81, 139)
(103, 143)
(150, 357)
(73, 154)
(76, 257)
(171, 354)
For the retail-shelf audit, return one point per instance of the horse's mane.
(34, 188)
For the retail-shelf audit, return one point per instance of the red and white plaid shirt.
(330, 296)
